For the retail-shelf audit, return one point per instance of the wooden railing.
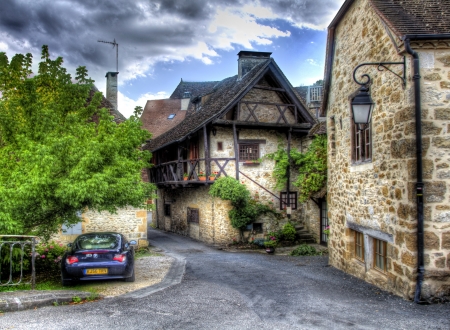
(174, 172)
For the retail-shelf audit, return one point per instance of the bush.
(288, 232)
(48, 258)
(305, 250)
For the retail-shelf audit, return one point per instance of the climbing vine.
(311, 166)
(245, 209)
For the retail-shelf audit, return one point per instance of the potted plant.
(326, 231)
(270, 244)
(213, 176)
(202, 176)
(185, 176)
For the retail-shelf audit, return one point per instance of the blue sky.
(162, 41)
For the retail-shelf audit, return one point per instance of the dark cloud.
(147, 30)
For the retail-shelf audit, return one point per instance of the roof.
(118, 117)
(194, 88)
(414, 16)
(404, 18)
(303, 92)
(224, 95)
(155, 117)
(318, 129)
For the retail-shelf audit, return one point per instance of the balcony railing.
(189, 171)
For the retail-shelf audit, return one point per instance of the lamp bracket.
(365, 78)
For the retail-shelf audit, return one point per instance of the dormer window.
(197, 103)
(171, 116)
(187, 95)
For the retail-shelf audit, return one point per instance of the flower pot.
(202, 178)
(212, 178)
(270, 250)
(185, 178)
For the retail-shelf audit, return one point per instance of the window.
(255, 227)
(315, 94)
(219, 146)
(186, 95)
(167, 210)
(362, 144)
(198, 105)
(292, 200)
(379, 255)
(248, 152)
(171, 116)
(192, 215)
(359, 245)
(324, 225)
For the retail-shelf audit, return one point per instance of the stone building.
(229, 126)
(388, 198)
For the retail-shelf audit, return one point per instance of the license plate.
(97, 271)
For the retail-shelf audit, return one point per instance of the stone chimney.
(248, 60)
(111, 88)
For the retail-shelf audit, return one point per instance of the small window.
(380, 255)
(248, 152)
(292, 200)
(198, 105)
(219, 146)
(186, 95)
(171, 116)
(362, 144)
(257, 227)
(167, 210)
(359, 246)
(192, 215)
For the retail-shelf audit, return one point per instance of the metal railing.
(20, 242)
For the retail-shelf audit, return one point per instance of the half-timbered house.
(229, 127)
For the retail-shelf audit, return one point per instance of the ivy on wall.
(311, 167)
(245, 209)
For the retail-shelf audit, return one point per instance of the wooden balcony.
(172, 173)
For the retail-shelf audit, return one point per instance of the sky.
(161, 42)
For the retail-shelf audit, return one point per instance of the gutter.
(419, 184)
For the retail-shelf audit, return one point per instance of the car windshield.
(97, 241)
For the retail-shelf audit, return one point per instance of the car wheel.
(132, 278)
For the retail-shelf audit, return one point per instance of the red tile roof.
(156, 112)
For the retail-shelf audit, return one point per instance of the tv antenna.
(115, 44)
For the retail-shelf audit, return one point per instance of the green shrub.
(288, 232)
(48, 258)
(305, 250)
(271, 242)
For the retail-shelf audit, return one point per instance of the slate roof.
(302, 92)
(223, 94)
(195, 88)
(414, 16)
(156, 112)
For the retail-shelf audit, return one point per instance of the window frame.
(292, 196)
(247, 145)
(362, 144)
(190, 212)
(359, 244)
(379, 254)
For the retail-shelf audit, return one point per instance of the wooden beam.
(270, 88)
(298, 128)
(236, 151)
(206, 144)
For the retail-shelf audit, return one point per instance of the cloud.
(312, 62)
(150, 32)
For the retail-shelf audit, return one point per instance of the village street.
(232, 290)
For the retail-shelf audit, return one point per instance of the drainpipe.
(419, 183)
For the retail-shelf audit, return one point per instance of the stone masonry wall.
(130, 221)
(377, 197)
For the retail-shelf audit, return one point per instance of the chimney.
(111, 88)
(248, 60)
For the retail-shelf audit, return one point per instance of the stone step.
(306, 241)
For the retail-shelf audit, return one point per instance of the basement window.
(379, 255)
(167, 210)
(171, 116)
(359, 246)
(192, 215)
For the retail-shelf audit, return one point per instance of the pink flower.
(46, 250)
(51, 246)
(60, 245)
(43, 256)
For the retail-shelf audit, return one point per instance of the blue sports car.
(98, 256)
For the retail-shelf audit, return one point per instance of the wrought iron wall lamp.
(362, 103)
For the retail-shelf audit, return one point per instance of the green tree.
(55, 159)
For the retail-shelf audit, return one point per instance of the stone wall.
(377, 197)
(130, 221)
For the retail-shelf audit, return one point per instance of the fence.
(7, 245)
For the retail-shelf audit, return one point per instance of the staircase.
(303, 236)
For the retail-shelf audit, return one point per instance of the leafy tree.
(318, 83)
(55, 159)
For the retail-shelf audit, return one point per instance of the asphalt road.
(226, 290)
